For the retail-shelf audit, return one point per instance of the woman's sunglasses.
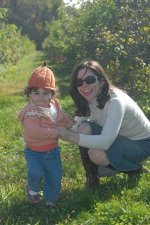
(87, 80)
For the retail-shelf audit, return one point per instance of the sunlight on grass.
(119, 201)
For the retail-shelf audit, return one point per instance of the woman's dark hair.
(80, 102)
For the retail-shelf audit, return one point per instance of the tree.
(31, 16)
(13, 45)
(114, 32)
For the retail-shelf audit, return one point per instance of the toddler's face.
(41, 97)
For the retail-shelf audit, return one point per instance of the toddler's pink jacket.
(39, 125)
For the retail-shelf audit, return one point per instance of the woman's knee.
(98, 157)
(85, 128)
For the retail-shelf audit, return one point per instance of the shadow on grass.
(70, 205)
(113, 186)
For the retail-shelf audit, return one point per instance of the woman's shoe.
(136, 173)
(105, 171)
(92, 182)
(91, 170)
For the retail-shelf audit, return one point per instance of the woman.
(113, 131)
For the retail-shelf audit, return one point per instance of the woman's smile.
(88, 90)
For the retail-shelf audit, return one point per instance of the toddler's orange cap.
(42, 77)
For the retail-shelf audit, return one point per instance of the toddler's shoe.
(32, 198)
(49, 204)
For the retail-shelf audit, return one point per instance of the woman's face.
(89, 87)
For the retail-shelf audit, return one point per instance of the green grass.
(119, 201)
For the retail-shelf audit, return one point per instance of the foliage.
(3, 13)
(31, 16)
(61, 42)
(116, 33)
(119, 201)
(13, 44)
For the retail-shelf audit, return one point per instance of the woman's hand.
(68, 135)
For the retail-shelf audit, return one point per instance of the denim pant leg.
(125, 154)
(34, 169)
(53, 175)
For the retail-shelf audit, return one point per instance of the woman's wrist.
(74, 137)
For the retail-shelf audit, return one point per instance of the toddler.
(39, 118)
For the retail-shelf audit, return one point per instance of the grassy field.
(119, 201)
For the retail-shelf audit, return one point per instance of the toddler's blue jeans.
(44, 167)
